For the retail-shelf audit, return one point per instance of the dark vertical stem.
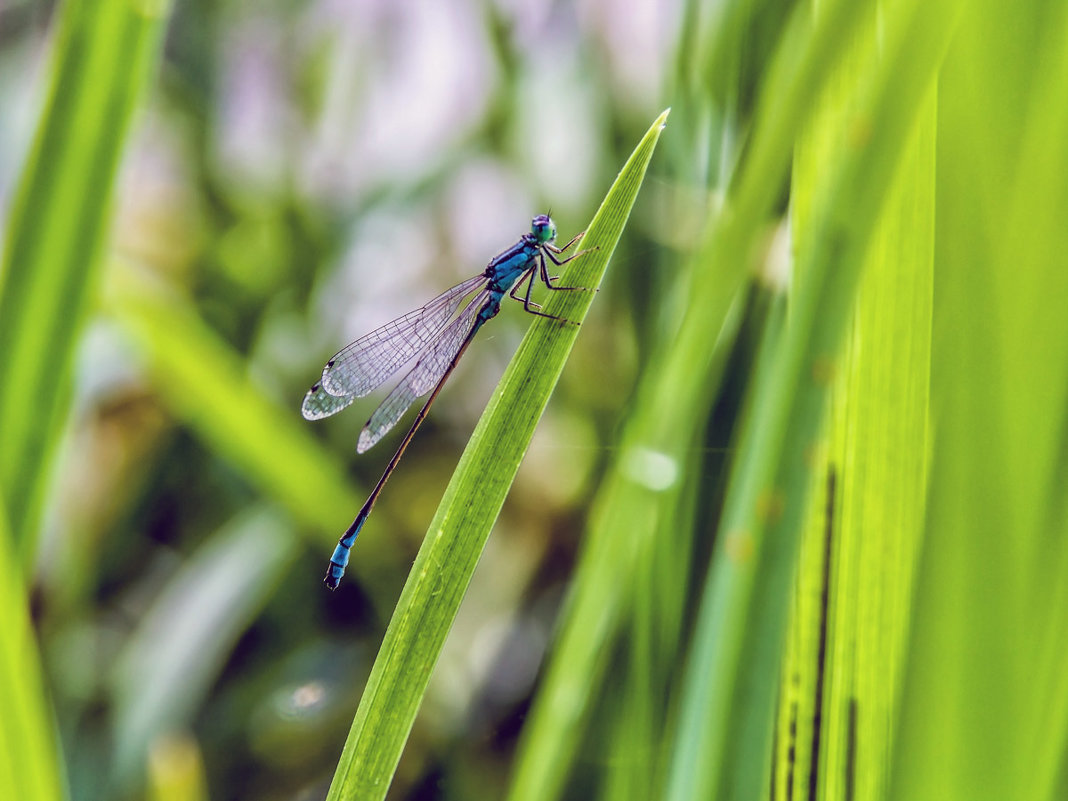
(821, 657)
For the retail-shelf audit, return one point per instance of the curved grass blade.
(104, 53)
(473, 499)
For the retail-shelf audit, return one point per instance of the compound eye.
(543, 228)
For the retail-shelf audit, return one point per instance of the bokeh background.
(299, 174)
(793, 524)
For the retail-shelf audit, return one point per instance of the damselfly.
(436, 339)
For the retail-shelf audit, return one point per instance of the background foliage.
(793, 523)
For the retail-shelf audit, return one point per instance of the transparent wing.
(318, 403)
(422, 378)
(360, 367)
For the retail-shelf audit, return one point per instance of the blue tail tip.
(333, 576)
(338, 562)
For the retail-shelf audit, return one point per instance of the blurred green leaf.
(984, 713)
(186, 635)
(104, 53)
(722, 742)
(472, 501)
(29, 764)
(176, 770)
(206, 384)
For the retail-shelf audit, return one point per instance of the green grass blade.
(206, 384)
(724, 734)
(641, 520)
(985, 707)
(841, 678)
(29, 765)
(472, 501)
(104, 53)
